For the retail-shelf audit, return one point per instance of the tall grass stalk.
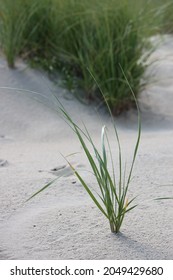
(112, 199)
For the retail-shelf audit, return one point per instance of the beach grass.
(111, 198)
(167, 20)
(22, 28)
(72, 36)
(13, 20)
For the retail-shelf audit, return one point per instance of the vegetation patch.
(73, 36)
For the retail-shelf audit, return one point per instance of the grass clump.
(72, 36)
(101, 36)
(13, 20)
(23, 28)
(112, 198)
(10, 33)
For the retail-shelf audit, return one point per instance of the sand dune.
(62, 222)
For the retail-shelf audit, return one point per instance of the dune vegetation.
(75, 36)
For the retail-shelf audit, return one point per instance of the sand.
(62, 222)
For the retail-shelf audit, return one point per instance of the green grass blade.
(42, 189)
(90, 193)
(163, 198)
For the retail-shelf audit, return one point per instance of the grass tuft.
(112, 199)
(71, 36)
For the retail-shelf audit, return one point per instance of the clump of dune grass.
(112, 199)
(13, 20)
(23, 26)
(38, 32)
(100, 37)
(71, 36)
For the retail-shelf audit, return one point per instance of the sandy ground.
(62, 222)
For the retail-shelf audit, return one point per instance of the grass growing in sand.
(23, 28)
(71, 36)
(112, 199)
(13, 20)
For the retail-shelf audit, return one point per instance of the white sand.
(62, 222)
